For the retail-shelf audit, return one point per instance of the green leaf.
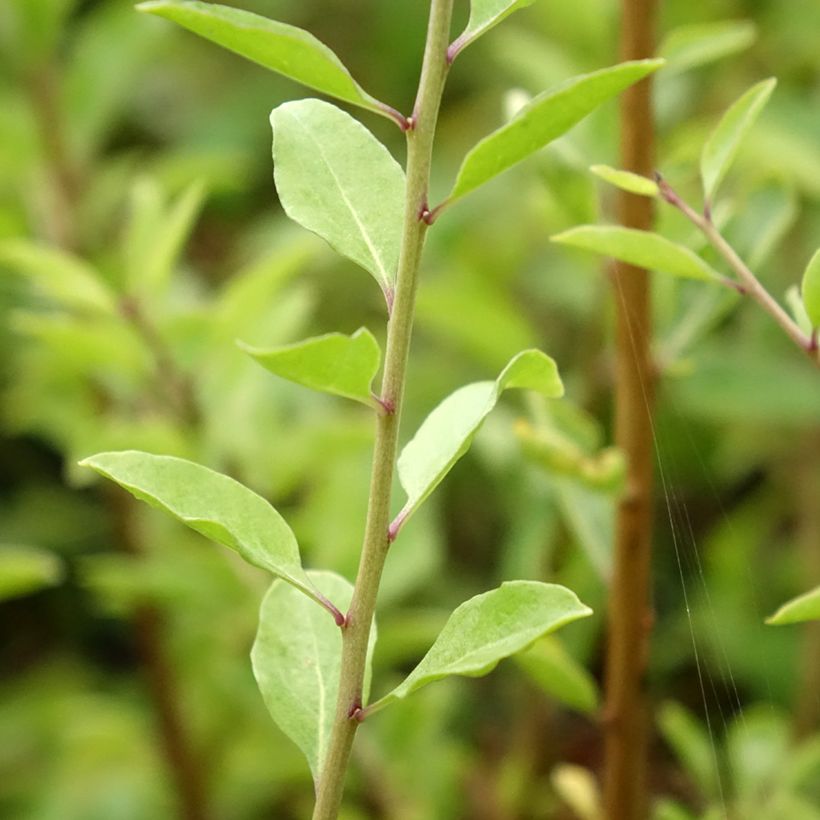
(66, 279)
(692, 745)
(213, 504)
(723, 144)
(579, 789)
(25, 569)
(334, 363)
(626, 180)
(157, 232)
(484, 15)
(296, 661)
(546, 118)
(688, 47)
(282, 48)
(805, 607)
(810, 289)
(446, 434)
(559, 675)
(488, 628)
(336, 179)
(641, 248)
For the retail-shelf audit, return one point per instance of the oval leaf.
(805, 607)
(285, 49)
(722, 146)
(336, 179)
(445, 434)
(212, 504)
(640, 248)
(334, 363)
(626, 180)
(810, 290)
(546, 118)
(296, 661)
(484, 14)
(25, 569)
(488, 628)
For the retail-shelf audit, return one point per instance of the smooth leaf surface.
(723, 144)
(484, 14)
(333, 363)
(25, 569)
(626, 180)
(336, 179)
(805, 607)
(296, 659)
(282, 48)
(213, 504)
(490, 627)
(688, 47)
(810, 289)
(693, 746)
(65, 278)
(559, 675)
(544, 119)
(445, 435)
(641, 248)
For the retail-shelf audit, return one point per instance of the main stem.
(630, 615)
(356, 631)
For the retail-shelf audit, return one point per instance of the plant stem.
(630, 614)
(749, 284)
(358, 622)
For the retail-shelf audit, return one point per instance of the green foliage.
(626, 180)
(484, 14)
(641, 248)
(298, 669)
(336, 179)
(488, 628)
(288, 50)
(333, 363)
(543, 120)
(804, 607)
(692, 46)
(446, 433)
(213, 504)
(26, 569)
(723, 144)
(810, 289)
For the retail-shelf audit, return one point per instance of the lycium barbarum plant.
(334, 178)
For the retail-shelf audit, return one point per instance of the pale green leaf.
(640, 248)
(810, 289)
(337, 180)
(578, 788)
(805, 607)
(688, 47)
(544, 119)
(559, 675)
(484, 14)
(157, 233)
(213, 504)
(723, 144)
(626, 180)
(296, 661)
(282, 48)
(334, 363)
(59, 275)
(446, 434)
(488, 628)
(692, 745)
(25, 569)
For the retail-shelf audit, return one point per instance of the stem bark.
(359, 619)
(630, 614)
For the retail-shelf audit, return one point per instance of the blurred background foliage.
(140, 236)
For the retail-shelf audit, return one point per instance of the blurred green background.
(135, 159)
